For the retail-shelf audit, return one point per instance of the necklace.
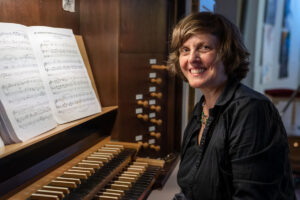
(203, 116)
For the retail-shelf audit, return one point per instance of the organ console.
(107, 170)
(78, 160)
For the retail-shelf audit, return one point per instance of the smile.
(197, 71)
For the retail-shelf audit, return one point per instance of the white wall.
(268, 49)
(249, 36)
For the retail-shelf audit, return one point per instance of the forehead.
(201, 38)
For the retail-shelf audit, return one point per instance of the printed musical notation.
(14, 40)
(31, 115)
(66, 75)
(43, 81)
(8, 75)
(21, 86)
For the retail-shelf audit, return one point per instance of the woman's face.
(197, 61)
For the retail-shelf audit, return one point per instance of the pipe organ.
(120, 152)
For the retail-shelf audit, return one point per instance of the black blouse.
(243, 152)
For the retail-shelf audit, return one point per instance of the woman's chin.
(196, 84)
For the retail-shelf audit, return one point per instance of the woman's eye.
(205, 47)
(184, 50)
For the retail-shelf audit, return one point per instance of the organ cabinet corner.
(126, 44)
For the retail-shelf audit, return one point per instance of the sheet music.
(72, 95)
(22, 91)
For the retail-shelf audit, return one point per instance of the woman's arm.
(258, 153)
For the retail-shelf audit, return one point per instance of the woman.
(235, 145)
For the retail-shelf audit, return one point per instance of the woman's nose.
(194, 56)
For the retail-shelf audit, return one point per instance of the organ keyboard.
(108, 170)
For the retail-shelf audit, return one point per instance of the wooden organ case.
(126, 45)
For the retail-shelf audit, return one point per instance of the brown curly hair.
(232, 50)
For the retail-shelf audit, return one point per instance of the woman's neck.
(212, 94)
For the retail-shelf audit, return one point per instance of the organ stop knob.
(143, 103)
(156, 80)
(156, 108)
(157, 135)
(160, 67)
(156, 121)
(145, 144)
(144, 117)
(158, 95)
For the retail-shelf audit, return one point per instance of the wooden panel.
(39, 12)
(99, 22)
(177, 113)
(19, 11)
(61, 18)
(143, 27)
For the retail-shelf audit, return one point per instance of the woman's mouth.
(197, 71)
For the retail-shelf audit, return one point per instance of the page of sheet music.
(71, 91)
(22, 91)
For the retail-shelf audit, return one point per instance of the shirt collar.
(227, 94)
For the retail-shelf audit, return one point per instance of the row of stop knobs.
(155, 108)
(145, 117)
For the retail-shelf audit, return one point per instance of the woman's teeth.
(197, 71)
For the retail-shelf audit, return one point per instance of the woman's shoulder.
(246, 93)
(247, 99)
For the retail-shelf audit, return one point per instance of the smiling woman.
(235, 145)
(230, 47)
(197, 60)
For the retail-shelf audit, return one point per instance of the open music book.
(43, 81)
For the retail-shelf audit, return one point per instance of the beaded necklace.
(204, 117)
